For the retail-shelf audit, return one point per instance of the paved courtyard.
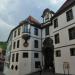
(44, 73)
(1, 73)
(38, 73)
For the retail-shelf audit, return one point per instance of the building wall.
(26, 65)
(65, 44)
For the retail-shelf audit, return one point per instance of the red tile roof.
(33, 20)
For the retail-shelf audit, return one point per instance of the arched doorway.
(48, 53)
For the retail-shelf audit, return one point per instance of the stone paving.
(45, 73)
(42, 73)
(38, 73)
(1, 73)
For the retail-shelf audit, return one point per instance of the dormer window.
(47, 17)
(26, 29)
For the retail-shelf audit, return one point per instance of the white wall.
(26, 65)
(64, 41)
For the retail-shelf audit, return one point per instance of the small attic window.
(47, 17)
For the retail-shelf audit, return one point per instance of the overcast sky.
(14, 11)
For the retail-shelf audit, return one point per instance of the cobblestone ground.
(1, 73)
(43, 73)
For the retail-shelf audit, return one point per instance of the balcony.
(26, 35)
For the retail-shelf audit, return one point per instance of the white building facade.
(60, 26)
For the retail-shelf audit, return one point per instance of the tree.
(48, 53)
(3, 45)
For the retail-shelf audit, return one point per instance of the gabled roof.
(64, 7)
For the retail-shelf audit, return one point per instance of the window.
(47, 31)
(19, 31)
(16, 67)
(57, 39)
(17, 55)
(72, 51)
(58, 53)
(14, 33)
(14, 45)
(47, 17)
(36, 55)
(55, 23)
(26, 29)
(25, 55)
(69, 15)
(13, 56)
(36, 43)
(35, 31)
(72, 33)
(12, 67)
(37, 64)
(18, 43)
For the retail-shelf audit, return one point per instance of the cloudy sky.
(13, 11)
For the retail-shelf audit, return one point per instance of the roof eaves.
(59, 12)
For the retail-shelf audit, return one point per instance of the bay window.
(26, 29)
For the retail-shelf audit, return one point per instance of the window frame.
(13, 57)
(18, 43)
(15, 33)
(47, 30)
(14, 45)
(19, 31)
(36, 55)
(69, 15)
(57, 38)
(17, 57)
(71, 32)
(36, 31)
(72, 51)
(37, 64)
(58, 53)
(36, 43)
(55, 23)
(25, 55)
